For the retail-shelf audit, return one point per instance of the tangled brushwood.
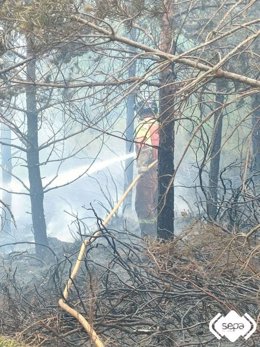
(136, 293)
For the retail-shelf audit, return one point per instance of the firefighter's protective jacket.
(147, 142)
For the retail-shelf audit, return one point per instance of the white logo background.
(232, 326)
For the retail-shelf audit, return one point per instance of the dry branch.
(214, 71)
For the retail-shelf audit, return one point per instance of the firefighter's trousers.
(146, 202)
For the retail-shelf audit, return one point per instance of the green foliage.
(41, 19)
(5, 342)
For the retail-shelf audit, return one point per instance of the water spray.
(72, 175)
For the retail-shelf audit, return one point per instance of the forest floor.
(134, 292)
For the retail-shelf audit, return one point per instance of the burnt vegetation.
(135, 293)
(74, 269)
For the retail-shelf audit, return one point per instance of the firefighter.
(147, 142)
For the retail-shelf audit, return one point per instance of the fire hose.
(63, 301)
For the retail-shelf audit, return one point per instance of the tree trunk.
(6, 177)
(36, 190)
(165, 221)
(256, 140)
(129, 165)
(212, 203)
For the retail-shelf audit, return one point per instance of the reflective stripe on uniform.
(147, 221)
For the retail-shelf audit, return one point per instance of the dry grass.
(210, 252)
